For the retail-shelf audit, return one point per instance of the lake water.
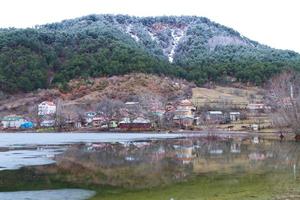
(62, 194)
(29, 149)
(148, 166)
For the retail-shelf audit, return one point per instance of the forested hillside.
(193, 48)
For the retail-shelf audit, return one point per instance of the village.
(135, 116)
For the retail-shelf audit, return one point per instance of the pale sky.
(271, 22)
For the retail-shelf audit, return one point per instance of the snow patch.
(176, 36)
(131, 33)
(152, 36)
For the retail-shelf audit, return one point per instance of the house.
(234, 116)
(48, 123)
(138, 124)
(12, 121)
(90, 114)
(125, 122)
(216, 116)
(185, 107)
(159, 113)
(97, 121)
(184, 113)
(254, 127)
(256, 106)
(88, 118)
(70, 124)
(46, 108)
(184, 121)
(169, 107)
(113, 124)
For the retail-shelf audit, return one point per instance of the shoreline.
(184, 133)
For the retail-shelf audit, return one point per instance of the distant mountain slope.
(87, 93)
(189, 47)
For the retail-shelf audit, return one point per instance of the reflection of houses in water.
(224, 163)
(141, 144)
(255, 140)
(216, 151)
(184, 153)
(257, 156)
(235, 147)
(216, 148)
(130, 158)
(164, 161)
(158, 154)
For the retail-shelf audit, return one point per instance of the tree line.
(50, 56)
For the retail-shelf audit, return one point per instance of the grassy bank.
(216, 187)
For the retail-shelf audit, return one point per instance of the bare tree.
(151, 103)
(59, 117)
(110, 109)
(284, 97)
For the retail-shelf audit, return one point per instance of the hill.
(227, 97)
(189, 47)
(87, 93)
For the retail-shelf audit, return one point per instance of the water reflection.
(142, 164)
(232, 164)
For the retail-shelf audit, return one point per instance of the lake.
(147, 166)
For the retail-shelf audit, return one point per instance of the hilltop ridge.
(188, 47)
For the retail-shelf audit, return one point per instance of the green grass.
(214, 187)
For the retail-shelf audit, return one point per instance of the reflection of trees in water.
(131, 165)
(153, 163)
(284, 154)
(235, 155)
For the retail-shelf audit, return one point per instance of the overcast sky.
(271, 22)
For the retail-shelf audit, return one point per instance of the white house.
(255, 106)
(234, 116)
(12, 121)
(214, 115)
(46, 108)
(48, 123)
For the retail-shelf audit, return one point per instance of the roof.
(12, 118)
(183, 117)
(125, 120)
(141, 120)
(48, 103)
(234, 113)
(90, 114)
(186, 102)
(98, 118)
(183, 110)
(48, 121)
(215, 112)
(131, 103)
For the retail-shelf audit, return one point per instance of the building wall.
(46, 109)
(13, 124)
